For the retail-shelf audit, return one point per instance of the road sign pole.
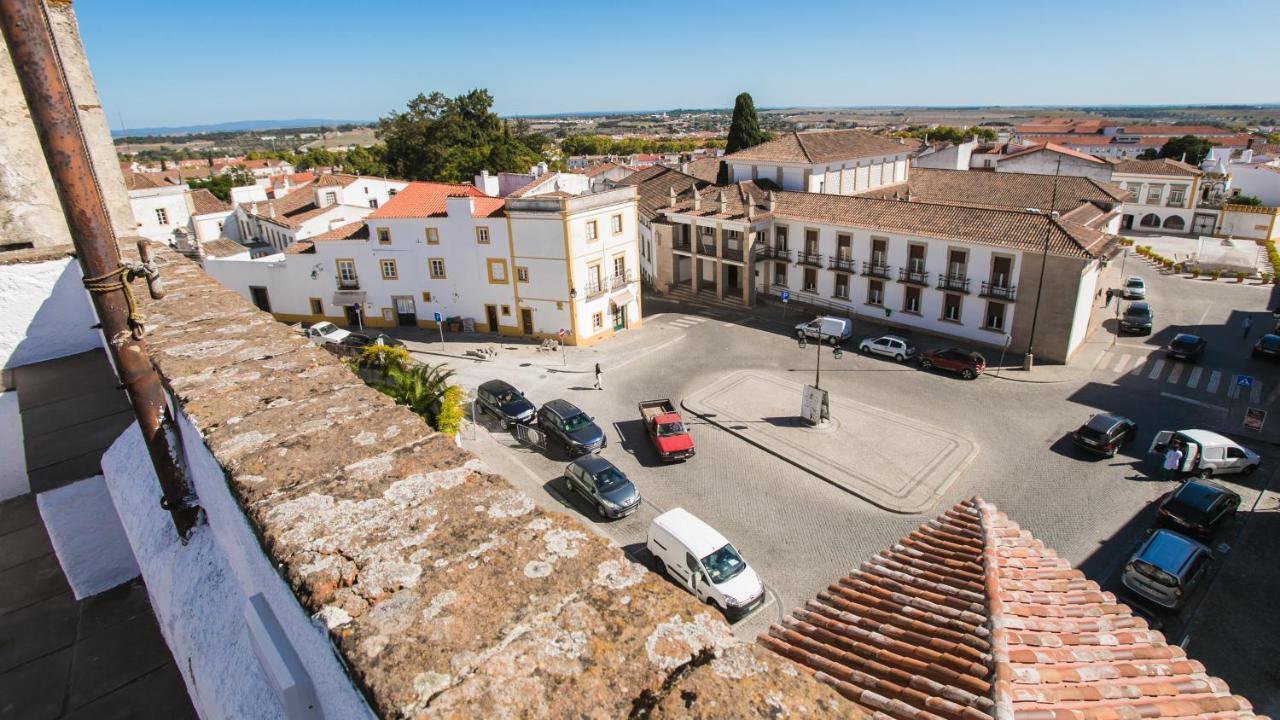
(439, 324)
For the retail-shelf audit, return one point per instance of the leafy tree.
(317, 157)
(744, 131)
(366, 160)
(1149, 154)
(220, 185)
(384, 357)
(1195, 149)
(946, 133)
(1245, 200)
(450, 139)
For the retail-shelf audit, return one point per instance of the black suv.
(1198, 507)
(504, 402)
(562, 421)
(1137, 318)
(1105, 433)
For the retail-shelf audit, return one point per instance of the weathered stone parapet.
(447, 591)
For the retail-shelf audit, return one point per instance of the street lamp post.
(1123, 258)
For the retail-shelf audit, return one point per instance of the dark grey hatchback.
(604, 485)
(1137, 318)
(573, 429)
(501, 400)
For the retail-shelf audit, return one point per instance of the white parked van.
(704, 563)
(1207, 453)
(832, 329)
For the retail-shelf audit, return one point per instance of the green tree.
(1245, 200)
(370, 160)
(317, 157)
(445, 139)
(1149, 154)
(1194, 148)
(220, 185)
(744, 131)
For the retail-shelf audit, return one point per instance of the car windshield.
(609, 478)
(1185, 340)
(671, 428)
(1154, 573)
(1138, 312)
(1134, 283)
(506, 397)
(324, 328)
(724, 564)
(1271, 342)
(576, 422)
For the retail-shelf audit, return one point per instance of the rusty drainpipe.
(29, 35)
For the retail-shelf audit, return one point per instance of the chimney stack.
(271, 210)
(697, 201)
(671, 196)
(722, 204)
(751, 208)
(772, 203)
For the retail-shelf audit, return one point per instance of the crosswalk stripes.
(1156, 369)
(1215, 378)
(1255, 395)
(687, 321)
(1137, 367)
(1191, 376)
(1123, 363)
(1174, 375)
(1194, 379)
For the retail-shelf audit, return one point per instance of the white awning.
(348, 297)
(622, 298)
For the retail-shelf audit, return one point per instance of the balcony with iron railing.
(619, 281)
(809, 258)
(769, 252)
(913, 277)
(876, 269)
(731, 252)
(999, 291)
(351, 283)
(953, 283)
(595, 288)
(843, 263)
(681, 242)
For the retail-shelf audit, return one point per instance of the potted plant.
(1215, 274)
(1195, 272)
(1239, 276)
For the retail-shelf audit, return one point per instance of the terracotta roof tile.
(970, 617)
(223, 247)
(1053, 147)
(427, 199)
(205, 202)
(1008, 191)
(1161, 166)
(290, 210)
(823, 146)
(351, 231)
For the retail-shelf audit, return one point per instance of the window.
(433, 236)
(497, 271)
(875, 292)
(330, 197)
(911, 300)
(951, 307)
(384, 236)
(591, 230)
(1150, 220)
(317, 307)
(391, 192)
(373, 202)
(615, 223)
(1177, 194)
(1154, 193)
(811, 241)
(994, 319)
(842, 286)
(426, 297)
(780, 274)
(347, 270)
(620, 268)
(879, 251)
(597, 321)
(780, 237)
(506, 310)
(388, 269)
(219, 228)
(810, 280)
(162, 216)
(522, 273)
(437, 268)
(844, 246)
(482, 235)
(1173, 222)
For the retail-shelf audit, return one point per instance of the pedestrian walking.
(1247, 324)
(599, 377)
(1110, 294)
(1172, 461)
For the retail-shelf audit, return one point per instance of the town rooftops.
(970, 617)
(654, 184)
(599, 168)
(146, 181)
(428, 199)
(823, 146)
(1161, 166)
(223, 247)
(204, 202)
(351, 231)
(1009, 191)
(1054, 148)
(290, 210)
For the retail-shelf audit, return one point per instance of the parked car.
(1199, 508)
(702, 561)
(965, 362)
(604, 485)
(1105, 434)
(572, 428)
(1268, 346)
(889, 346)
(1137, 318)
(834, 330)
(666, 429)
(499, 399)
(1135, 288)
(326, 332)
(1185, 346)
(1166, 568)
(1206, 453)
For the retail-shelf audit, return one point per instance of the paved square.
(893, 461)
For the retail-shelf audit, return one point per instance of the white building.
(837, 162)
(328, 202)
(1252, 174)
(161, 208)
(1164, 196)
(1051, 159)
(530, 266)
(946, 156)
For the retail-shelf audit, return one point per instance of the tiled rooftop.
(824, 146)
(970, 617)
(1162, 167)
(427, 199)
(1007, 191)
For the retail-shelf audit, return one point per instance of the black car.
(1105, 433)
(573, 429)
(1137, 318)
(597, 480)
(360, 340)
(1198, 508)
(1185, 346)
(501, 400)
(1268, 346)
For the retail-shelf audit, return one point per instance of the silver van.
(834, 330)
(1166, 568)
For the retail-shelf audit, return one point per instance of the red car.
(968, 364)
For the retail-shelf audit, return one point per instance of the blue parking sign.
(786, 295)
(1244, 381)
(437, 317)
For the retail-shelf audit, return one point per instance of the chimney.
(751, 209)
(772, 203)
(684, 168)
(671, 196)
(722, 204)
(697, 201)
(271, 210)
(253, 209)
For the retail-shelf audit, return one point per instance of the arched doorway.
(1150, 220)
(1173, 222)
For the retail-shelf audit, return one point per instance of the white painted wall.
(1084, 307)
(1046, 163)
(173, 200)
(13, 471)
(212, 226)
(1260, 181)
(45, 312)
(199, 590)
(87, 536)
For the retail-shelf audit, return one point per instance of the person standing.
(1247, 324)
(599, 377)
(1172, 461)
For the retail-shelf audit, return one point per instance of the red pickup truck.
(666, 430)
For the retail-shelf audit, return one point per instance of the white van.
(704, 563)
(1207, 453)
(832, 329)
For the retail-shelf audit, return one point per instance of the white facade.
(952, 157)
(159, 211)
(1045, 162)
(835, 178)
(1165, 203)
(1259, 180)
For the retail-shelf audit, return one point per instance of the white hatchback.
(1135, 288)
(890, 346)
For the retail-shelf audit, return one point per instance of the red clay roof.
(1054, 147)
(351, 231)
(204, 202)
(427, 199)
(824, 146)
(970, 617)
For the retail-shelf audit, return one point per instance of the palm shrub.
(418, 387)
(449, 416)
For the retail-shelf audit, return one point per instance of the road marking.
(650, 351)
(1194, 379)
(743, 322)
(1175, 374)
(1215, 377)
(1137, 368)
(1271, 398)
(1123, 363)
(1255, 396)
(1156, 369)
(1171, 396)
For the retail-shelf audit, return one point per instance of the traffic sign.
(786, 295)
(561, 333)
(438, 317)
(1244, 381)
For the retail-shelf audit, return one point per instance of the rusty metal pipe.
(29, 36)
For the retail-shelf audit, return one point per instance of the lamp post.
(1029, 361)
(564, 349)
(1123, 258)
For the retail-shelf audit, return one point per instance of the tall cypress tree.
(745, 130)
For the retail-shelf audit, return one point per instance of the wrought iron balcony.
(913, 277)
(348, 283)
(681, 243)
(729, 253)
(808, 258)
(594, 288)
(843, 263)
(620, 281)
(769, 252)
(1002, 292)
(874, 269)
(953, 283)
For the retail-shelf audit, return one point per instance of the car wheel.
(1205, 474)
(926, 364)
(864, 349)
(600, 509)
(968, 374)
(898, 358)
(1248, 469)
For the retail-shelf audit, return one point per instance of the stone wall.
(29, 208)
(445, 590)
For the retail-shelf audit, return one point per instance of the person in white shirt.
(1172, 461)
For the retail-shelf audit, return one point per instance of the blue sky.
(178, 63)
